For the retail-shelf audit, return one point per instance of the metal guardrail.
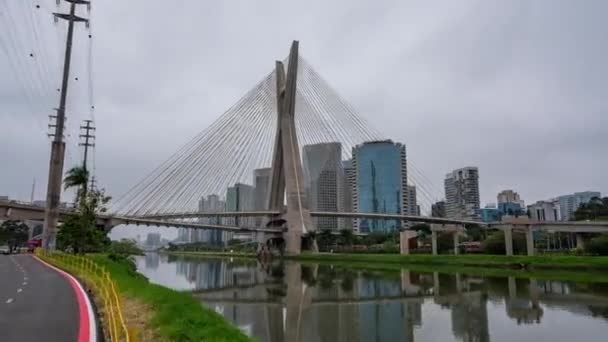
(99, 280)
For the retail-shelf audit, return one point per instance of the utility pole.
(33, 190)
(87, 137)
(53, 195)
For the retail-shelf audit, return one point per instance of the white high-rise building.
(545, 211)
(413, 208)
(323, 179)
(261, 183)
(569, 203)
(239, 197)
(211, 204)
(462, 194)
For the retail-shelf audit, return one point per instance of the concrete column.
(435, 284)
(534, 292)
(404, 241)
(580, 241)
(530, 241)
(434, 242)
(406, 282)
(512, 285)
(455, 238)
(508, 241)
(404, 246)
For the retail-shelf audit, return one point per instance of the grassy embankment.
(575, 268)
(556, 267)
(172, 315)
(545, 262)
(210, 254)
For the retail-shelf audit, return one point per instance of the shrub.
(125, 247)
(598, 245)
(495, 243)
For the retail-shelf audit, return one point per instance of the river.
(310, 302)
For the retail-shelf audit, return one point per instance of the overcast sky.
(517, 88)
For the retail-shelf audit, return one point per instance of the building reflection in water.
(290, 302)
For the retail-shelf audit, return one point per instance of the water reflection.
(294, 302)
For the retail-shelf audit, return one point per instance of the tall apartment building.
(462, 194)
(413, 208)
(545, 211)
(509, 203)
(239, 197)
(508, 196)
(438, 209)
(153, 240)
(380, 184)
(347, 194)
(261, 184)
(569, 203)
(323, 180)
(211, 204)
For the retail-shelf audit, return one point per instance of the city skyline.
(476, 91)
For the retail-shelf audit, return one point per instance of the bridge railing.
(98, 279)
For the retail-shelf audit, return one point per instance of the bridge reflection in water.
(295, 302)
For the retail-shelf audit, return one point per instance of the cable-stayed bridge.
(267, 130)
(266, 145)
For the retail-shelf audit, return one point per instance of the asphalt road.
(36, 302)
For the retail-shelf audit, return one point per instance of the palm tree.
(77, 177)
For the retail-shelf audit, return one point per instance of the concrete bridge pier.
(530, 241)
(508, 240)
(512, 285)
(404, 240)
(454, 229)
(580, 241)
(435, 284)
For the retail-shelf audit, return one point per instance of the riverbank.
(210, 254)
(558, 262)
(559, 267)
(170, 315)
(579, 275)
(554, 262)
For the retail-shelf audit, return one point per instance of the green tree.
(598, 245)
(347, 237)
(14, 233)
(495, 243)
(79, 232)
(77, 177)
(125, 247)
(475, 232)
(595, 209)
(325, 239)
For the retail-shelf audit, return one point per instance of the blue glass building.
(380, 184)
(490, 214)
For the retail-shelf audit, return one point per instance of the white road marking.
(19, 290)
(24, 283)
(10, 300)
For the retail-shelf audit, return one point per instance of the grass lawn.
(174, 315)
(564, 262)
(211, 254)
(554, 267)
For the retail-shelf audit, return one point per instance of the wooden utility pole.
(53, 195)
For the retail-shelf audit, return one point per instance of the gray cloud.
(516, 88)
